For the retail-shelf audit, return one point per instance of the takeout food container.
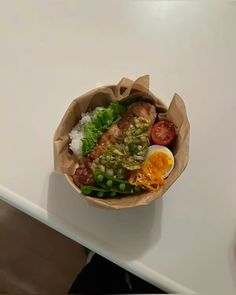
(65, 162)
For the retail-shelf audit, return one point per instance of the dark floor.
(101, 276)
(33, 257)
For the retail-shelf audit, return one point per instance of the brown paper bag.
(65, 162)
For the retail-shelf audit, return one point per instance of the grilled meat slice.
(138, 109)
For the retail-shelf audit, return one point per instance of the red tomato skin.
(163, 132)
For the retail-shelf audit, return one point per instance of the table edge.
(57, 224)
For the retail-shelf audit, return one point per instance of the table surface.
(54, 51)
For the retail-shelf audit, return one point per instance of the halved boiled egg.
(160, 159)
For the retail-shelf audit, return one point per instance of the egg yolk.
(151, 175)
(159, 161)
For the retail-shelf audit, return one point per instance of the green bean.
(108, 186)
(85, 190)
(100, 194)
(137, 189)
(113, 194)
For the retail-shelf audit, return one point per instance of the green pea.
(122, 186)
(100, 177)
(109, 183)
(112, 194)
(100, 194)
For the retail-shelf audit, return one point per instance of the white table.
(52, 52)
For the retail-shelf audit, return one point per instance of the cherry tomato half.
(163, 132)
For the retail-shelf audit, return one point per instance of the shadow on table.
(232, 259)
(129, 232)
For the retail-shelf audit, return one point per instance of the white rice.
(77, 133)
